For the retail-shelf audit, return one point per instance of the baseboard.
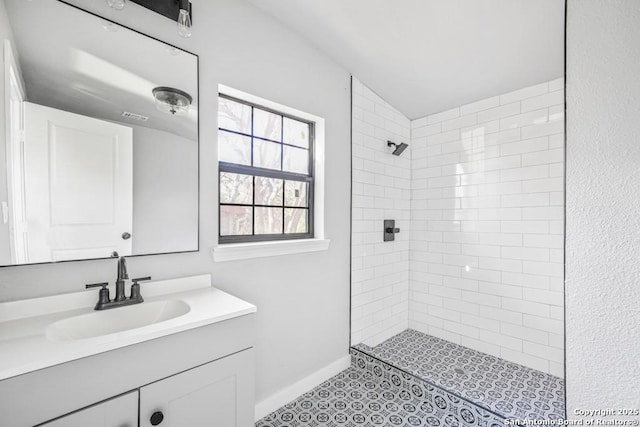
(294, 391)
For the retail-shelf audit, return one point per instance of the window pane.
(295, 193)
(234, 148)
(234, 116)
(235, 220)
(266, 154)
(268, 191)
(296, 133)
(295, 220)
(268, 220)
(295, 160)
(267, 125)
(235, 188)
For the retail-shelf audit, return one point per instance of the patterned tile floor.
(355, 397)
(508, 389)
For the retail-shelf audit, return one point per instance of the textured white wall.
(381, 190)
(302, 323)
(603, 208)
(487, 226)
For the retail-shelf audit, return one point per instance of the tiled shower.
(478, 264)
(487, 229)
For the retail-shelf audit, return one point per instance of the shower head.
(399, 147)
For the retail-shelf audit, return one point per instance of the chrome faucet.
(120, 299)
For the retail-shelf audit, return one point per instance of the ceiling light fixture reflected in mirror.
(171, 100)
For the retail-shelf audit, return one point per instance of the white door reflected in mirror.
(78, 182)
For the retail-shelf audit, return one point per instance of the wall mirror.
(100, 148)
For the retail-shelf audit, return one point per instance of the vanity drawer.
(121, 411)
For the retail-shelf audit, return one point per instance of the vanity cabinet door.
(219, 393)
(121, 411)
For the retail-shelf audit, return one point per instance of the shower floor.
(505, 388)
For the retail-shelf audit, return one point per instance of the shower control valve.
(390, 230)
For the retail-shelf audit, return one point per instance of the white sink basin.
(120, 319)
(43, 332)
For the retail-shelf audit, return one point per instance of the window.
(266, 167)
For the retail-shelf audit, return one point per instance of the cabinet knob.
(156, 418)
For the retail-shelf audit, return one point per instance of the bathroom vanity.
(64, 364)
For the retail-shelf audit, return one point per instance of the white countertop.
(24, 346)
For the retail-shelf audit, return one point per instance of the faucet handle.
(96, 285)
(135, 288)
(103, 295)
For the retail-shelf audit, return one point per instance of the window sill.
(237, 251)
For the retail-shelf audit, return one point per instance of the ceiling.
(103, 73)
(427, 56)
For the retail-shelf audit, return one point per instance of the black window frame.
(269, 173)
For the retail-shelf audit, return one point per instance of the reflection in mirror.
(93, 162)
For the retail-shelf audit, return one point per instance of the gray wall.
(303, 300)
(165, 192)
(603, 212)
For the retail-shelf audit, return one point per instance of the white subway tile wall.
(381, 190)
(486, 252)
